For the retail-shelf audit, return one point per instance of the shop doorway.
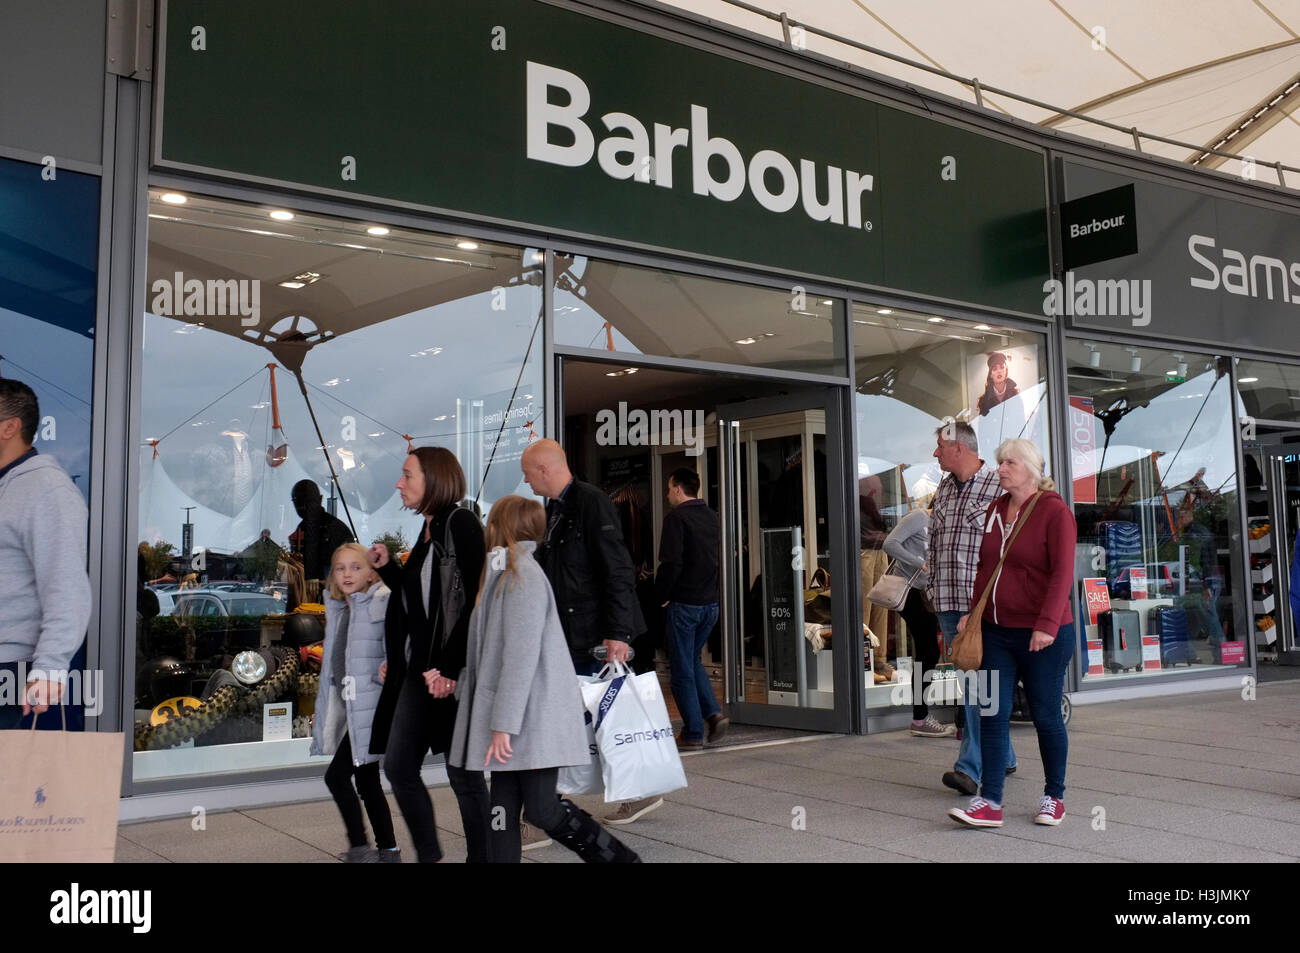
(770, 458)
(1272, 470)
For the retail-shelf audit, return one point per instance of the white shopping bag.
(638, 752)
(584, 778)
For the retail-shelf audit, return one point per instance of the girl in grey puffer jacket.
(350, 681)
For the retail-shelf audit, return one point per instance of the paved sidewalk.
(1189, 778)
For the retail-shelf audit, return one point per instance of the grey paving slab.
(129, 852)
(227, 837)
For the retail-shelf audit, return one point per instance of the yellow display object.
(172, 708)
(310, 607)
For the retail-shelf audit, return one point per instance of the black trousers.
(925, 635)
(534, 791)
(408, 742)
(338, 778)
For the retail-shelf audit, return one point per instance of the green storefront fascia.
(475, 107)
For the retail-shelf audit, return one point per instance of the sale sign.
(1083, 449)
(1234, 653)
(1150, 653)
(1138, 582)
(1095, 660)
(1096, 596)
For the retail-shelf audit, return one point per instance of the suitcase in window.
(1121, 639)
(1123, 544)
(1171, 625)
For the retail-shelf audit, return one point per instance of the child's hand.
(383, 671)
(500, 748)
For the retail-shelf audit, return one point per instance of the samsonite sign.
(1205, 268)
(524, 112)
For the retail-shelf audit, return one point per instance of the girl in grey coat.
(521, 713)
(350, 683)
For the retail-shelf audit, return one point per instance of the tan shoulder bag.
(968, 646)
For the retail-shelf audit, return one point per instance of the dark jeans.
(1006, 659)
(408, 742)
(688, 632)
(338, 778)
(924, 628)
(534, 792)
(11, 714)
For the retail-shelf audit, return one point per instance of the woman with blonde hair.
(521, 714)
(1028, 626)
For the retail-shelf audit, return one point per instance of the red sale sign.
(1096, 597)
(1083, 449)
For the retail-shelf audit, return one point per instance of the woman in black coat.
(417, 710)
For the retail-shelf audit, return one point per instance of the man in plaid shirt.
(956, 529)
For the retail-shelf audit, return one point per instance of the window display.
(1155, 489)
(915, 372)
(335, 346)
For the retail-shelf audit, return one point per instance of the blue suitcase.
(1123, 544)
(1171, 625)
(1121, 639)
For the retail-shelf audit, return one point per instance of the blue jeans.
(970, 759)
(688, 633)
(1007, 658)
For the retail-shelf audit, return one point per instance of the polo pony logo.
(40, 796)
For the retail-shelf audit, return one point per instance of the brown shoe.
(531, 838)
(630, 811)
(684, 745)
(960, 782)
(718, 725)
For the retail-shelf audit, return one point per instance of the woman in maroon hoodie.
(1028, 628)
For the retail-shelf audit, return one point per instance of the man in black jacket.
(591, 573)
(585, 559)
(687, 584)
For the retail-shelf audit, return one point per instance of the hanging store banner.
(526, 113)
(1203, 268)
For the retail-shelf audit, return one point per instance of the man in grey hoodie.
(46, 607)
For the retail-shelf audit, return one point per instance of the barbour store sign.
(527, 113)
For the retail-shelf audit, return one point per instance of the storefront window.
(49, 249)
(915, 371)
(289, 361)
(1154, 466)
(1269, 414)
(609, 306)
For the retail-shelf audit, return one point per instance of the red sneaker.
(1050, 811)
(979, 813)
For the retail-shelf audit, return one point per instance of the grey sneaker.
(930, 728)
(531, 838)
(630, 811)
(358, 855)
(388, 856)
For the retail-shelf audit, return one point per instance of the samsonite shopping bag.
(638, 752)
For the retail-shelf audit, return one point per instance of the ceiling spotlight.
(295, 285)
(466, 245)
(935, 320)
(1247, 380)
(376, 230)
(827, 301)
(747, 341)
(982, 327)
(884, 311)
(1135, 364)
(1182, 368)
(173, 198)
(280, 215)
(1094, 356)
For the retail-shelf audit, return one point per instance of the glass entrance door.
(789, 645)
(1273, 518)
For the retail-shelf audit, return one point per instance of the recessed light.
(935, 320)
(827, 301)
(173, 198)
(467, 245)
(295, 285)
(441, 417)
(884, 311)
(376, 230)
(747, 341)
(1247, 380)
(982, 327)
(280, 215)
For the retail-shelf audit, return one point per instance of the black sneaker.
(960, 782)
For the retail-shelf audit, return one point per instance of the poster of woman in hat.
(998, 385)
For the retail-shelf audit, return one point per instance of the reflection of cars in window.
(221, 621)
(1162, 581)
(219, 602)
(166, 599)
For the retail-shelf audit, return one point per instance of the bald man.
(585, 559)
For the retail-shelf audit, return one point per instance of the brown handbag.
(968, 646)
